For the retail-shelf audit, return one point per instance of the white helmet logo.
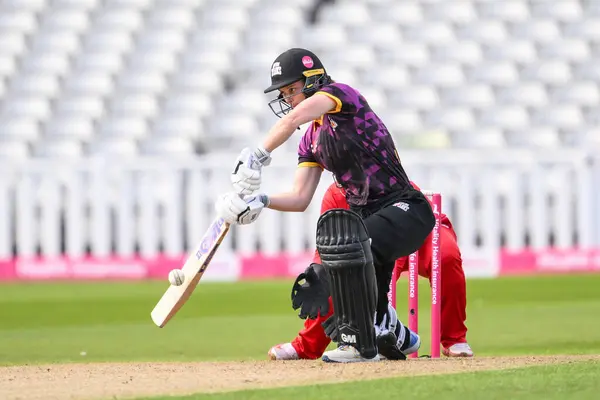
(275, 69)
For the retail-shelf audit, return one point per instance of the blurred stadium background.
(120, 120)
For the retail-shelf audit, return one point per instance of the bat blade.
(195, 266)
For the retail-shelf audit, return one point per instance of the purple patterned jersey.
(354, 144)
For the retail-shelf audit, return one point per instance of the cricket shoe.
(458, 350)
(387, 344)
(284, 351)
(412, 345)
(346, 354)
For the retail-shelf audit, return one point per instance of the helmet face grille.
(280, 106)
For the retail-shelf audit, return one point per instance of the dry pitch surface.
(127, 380)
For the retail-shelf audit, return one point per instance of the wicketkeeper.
(312, 341)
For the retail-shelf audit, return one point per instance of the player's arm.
(306, 181)
(312, 108)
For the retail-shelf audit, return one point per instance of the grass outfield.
(50, 322)
(555, 382)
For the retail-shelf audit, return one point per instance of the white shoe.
(414, 343)
(346, 354)
(284, 351)
(458, 350)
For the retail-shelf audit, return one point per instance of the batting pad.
(343, 244)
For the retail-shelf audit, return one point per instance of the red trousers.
(311, 342)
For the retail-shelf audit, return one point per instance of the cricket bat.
(194, 267)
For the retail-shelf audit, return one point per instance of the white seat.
(564, 116)
(75, 127)
(466, 52)
(527, 94)
(249, 100)
(187, 126)
(376, 98)
(509, 10)
(264, 38)
(14, 149)
(112, 146)
(587, 71)
(422, 97)
(399, 12)
(411, 54)
(535, 137)
(437, 32)
(440, 75)
(494, 73)
(142, 82)
(167, 145)
(215, 39)
(582, 93)
(348, 14)
(71, 20)
(232, 126)
(8, 65)
(322, 37)
(285, 15)
(389, 77)
(42, 85)
(557, 10)
(129, 127)
(250, 63)
(569, 50)
(24, 129)
(480, 138)
(135, 105)
(20, 21)
(506, 117)
(591, 138)
(89, 83)
(550, 72)
(119, 19)
(224, 17)
(58, 148)
(587, 28)
(196, 104)
(152, 60)
(12, 43)
(457, 12)
(483, 31)
(474, 96)
(133, 4)
(61, 42)
(78, 4)
(342, 74)
(46, 63)
(112, 42)
(358, 56)
(210, 61)
(26, 5)
(536, 30)
(518, 51)
(450, 118)
(165, 40)
(401, 120)
(201, 82)
(171, 17)
(31, 107)
(85, 106)
(378, 35)
(106, 61)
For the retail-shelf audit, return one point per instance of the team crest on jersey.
(276, 69)
(333, 124)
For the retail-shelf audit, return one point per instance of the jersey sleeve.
(345, 98)
(306, 157)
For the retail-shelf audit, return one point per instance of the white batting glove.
(236, 210)
(246, 175)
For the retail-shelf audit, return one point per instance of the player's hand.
(312, 296)
(240, 210)
(246, 175)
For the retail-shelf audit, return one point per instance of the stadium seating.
(89, 77)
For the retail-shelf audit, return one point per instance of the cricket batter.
(387, 218)
(311, 342)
